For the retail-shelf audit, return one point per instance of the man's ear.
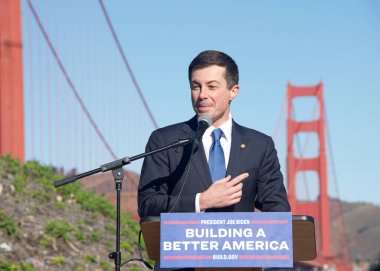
(234, 92)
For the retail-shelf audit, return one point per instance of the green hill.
(65, 228)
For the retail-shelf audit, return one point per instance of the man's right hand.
(222, 193)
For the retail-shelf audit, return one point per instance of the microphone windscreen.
(205, 118)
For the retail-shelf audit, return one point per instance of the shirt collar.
(226, 128)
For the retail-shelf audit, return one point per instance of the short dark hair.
(209, 58)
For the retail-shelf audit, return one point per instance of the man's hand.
(222, 193)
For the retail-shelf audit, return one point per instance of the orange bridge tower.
(11, 81)
(318, 208)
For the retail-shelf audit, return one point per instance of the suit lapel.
(236, 159)
(199, 160)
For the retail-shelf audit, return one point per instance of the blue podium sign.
(226, 240)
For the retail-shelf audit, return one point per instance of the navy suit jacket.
(165, 174)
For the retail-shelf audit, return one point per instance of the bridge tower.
(11, 81)
(318, 208)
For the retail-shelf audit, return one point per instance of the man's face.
(210, 94)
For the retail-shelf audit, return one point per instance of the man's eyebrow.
(213, 81)
(194, 82)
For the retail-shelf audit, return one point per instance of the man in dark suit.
(233, 168)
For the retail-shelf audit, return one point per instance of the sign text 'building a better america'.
(226, 240)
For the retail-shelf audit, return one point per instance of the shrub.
(45, 241)
(59, 229)
(57, 261)
(95, 236)
(8, 225)
(27, 266)
(7, 266)
(89, 258)
(20, 182)
(106, 266)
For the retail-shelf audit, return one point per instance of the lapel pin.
(242, 146)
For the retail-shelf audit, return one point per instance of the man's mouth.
(203, 107)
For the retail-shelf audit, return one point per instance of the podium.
(304, 244)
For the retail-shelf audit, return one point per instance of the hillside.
(362, 223)
(68, 228)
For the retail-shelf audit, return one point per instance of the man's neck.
(222, 120)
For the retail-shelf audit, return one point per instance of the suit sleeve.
(155, 193)
(271, 193)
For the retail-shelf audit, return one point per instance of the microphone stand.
(118, 174)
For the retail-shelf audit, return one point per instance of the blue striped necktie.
(216, 157)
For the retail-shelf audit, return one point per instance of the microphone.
(204, 121)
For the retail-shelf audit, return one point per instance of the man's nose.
(203, 93)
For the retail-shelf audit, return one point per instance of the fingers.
(223, 192)
(235, 180)
(234, 201)
(236, 195)
(234, 198)
(224, 180)
(236, 188)
(239, 178)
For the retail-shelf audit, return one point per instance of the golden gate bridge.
(52, 109)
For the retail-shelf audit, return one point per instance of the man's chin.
(204, 111)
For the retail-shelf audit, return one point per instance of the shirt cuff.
(197, 207)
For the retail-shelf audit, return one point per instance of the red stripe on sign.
(189, 257)
(182, 222)
(263, 257)
(269, 221)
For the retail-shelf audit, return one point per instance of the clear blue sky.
(273, 42)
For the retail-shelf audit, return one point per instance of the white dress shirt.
(225, 141)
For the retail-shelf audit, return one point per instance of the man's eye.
(212, 87)
(195, 87)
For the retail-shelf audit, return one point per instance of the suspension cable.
(126, 64)
(69, 81)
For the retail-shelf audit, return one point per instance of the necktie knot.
(217, 134)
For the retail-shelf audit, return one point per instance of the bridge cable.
(69, 81)
(301, 156)
(126, 63)
(335, 178)
(32, 91)
(279, 119)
